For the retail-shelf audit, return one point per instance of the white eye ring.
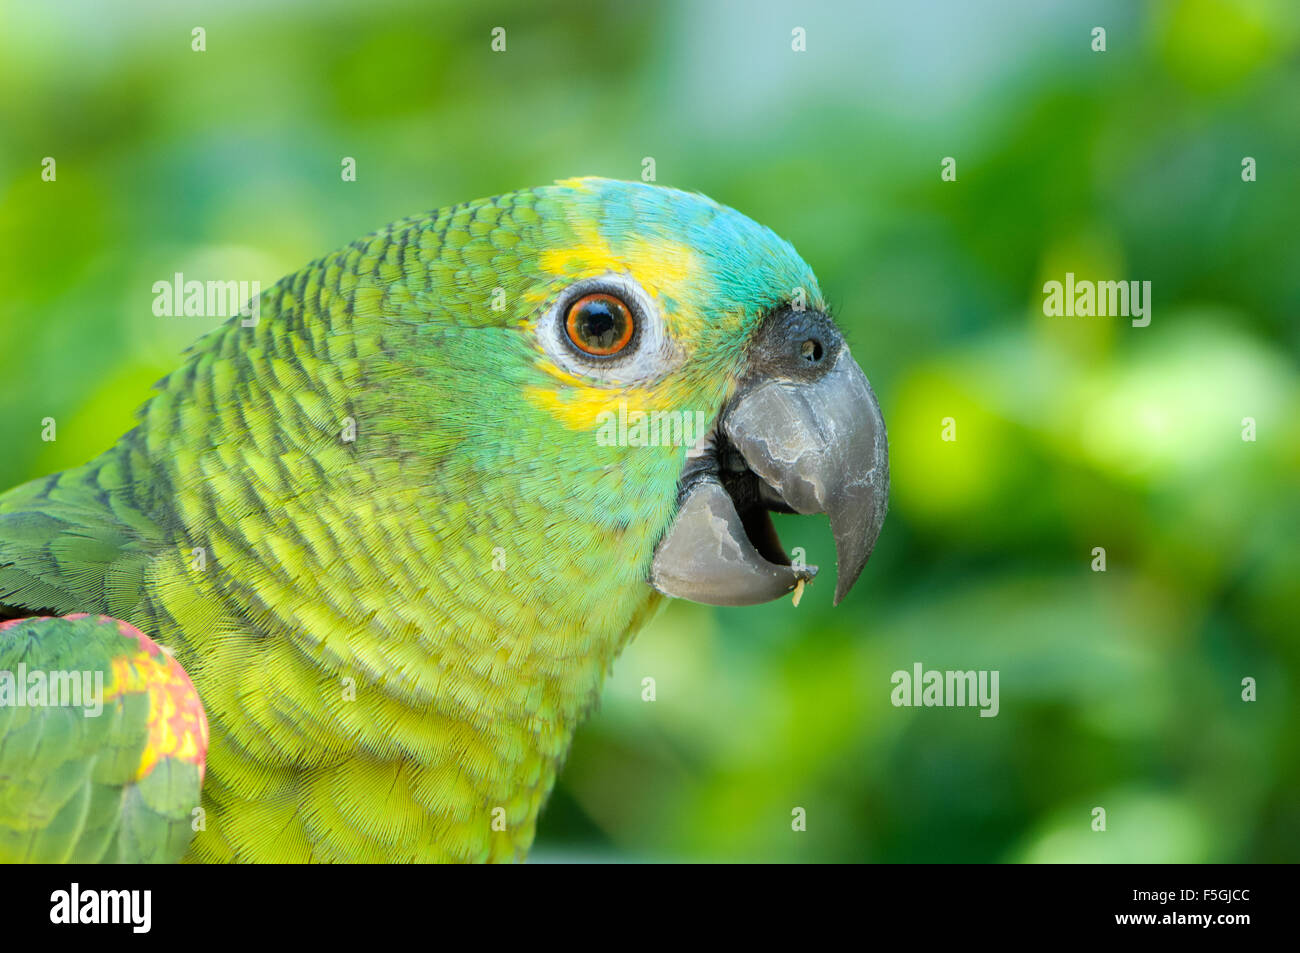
(650, 355)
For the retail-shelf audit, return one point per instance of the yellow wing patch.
(178, 726)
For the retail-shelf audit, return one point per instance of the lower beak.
(806, 442)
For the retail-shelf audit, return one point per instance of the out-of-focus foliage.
(1120, 689)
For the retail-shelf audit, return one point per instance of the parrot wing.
(102, 744)
(74, 542)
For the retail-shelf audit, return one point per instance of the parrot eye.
(606, 329)
(599, 324)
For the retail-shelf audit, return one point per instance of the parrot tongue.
(802, 438)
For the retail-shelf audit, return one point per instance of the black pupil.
(600, 325)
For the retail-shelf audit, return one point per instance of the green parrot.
(361, 568)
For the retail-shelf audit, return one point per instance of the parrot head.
(648, 372)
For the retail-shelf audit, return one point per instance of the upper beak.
(802, 434)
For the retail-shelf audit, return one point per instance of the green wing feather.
(77, 541)
(81, 785)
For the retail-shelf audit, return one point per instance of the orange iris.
(599, 324)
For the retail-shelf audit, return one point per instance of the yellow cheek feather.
(579, 406)
(669, 272)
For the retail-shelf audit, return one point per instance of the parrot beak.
(802, 434)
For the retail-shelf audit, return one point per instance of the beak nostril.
(811, 350)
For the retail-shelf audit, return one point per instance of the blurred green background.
(1119, 689)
